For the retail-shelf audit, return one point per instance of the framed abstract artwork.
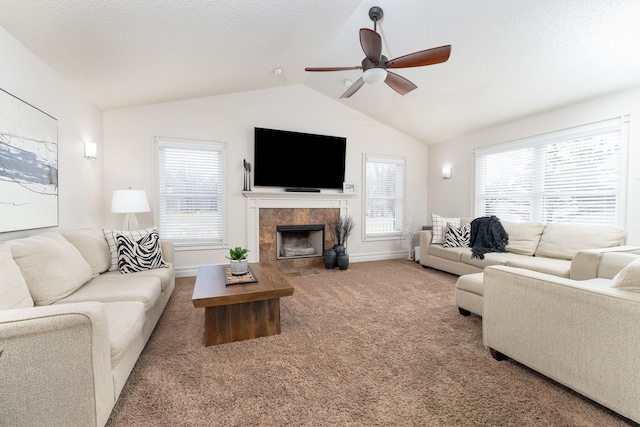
(28, 166)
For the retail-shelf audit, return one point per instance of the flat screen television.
(298, 161)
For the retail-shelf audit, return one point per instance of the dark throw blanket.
(487, 235)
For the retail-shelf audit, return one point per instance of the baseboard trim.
(192, 270)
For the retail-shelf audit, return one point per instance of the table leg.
(236, 322)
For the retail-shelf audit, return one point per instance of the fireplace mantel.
(257, 200)
(295, 195)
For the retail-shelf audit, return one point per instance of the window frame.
(400, 218)
(617, 124)
(210, 145)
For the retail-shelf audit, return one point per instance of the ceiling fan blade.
(371, 43)
(399, 83)
(353, 88)
(357, 67)
(432, 56)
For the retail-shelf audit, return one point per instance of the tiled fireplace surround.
(268, 210)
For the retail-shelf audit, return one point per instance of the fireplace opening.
(299, 241)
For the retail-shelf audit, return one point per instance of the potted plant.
(238, 261)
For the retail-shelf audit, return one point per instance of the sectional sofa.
(563, 300)
(546, 248)
(563, 250)
(72, 326)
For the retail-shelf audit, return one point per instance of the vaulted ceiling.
(510, 58)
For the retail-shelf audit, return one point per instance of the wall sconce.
(446, 172)
(90, 150)
(130, 202)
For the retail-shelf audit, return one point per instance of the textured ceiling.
(510, 58)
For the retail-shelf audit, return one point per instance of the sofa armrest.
(55, 366)
(425, 240)
(585, 264)
(582, 334)
(167, 251)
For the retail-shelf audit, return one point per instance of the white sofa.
(582, 334)
(563, 250)
(547, 248)
(71, 331)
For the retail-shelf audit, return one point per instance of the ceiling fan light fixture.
(375, 64)
(374, 75)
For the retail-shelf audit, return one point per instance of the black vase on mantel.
(343, 261)
(330, 258)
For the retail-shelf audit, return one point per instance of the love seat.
(72, 326)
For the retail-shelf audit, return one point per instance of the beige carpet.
(380, 344)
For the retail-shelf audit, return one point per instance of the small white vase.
(239, 267)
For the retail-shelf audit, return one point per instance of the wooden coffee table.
(242, 311)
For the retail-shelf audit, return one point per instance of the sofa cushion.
(117, 289)
(166, 275)
(93, 247)
(523, 236)
(628, 278)
(563, 241)
(473, 283)
(439, 224)
(125, 320)
(457, 237)
(557, 267)
(452, 254)
(110, 236)
(490, 258)
(14, 292)
(139, 254)
(52, 267)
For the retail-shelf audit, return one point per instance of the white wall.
(80, 181)
(231, 118)
(453, 197)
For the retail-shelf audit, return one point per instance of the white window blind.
(570, 176)
(190, 190)
(384, 195)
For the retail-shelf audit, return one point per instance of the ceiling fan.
(376, 65)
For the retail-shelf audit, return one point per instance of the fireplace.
(268, 210)
(299, 241)
(296, 223)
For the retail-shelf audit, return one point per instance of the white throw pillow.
(14, 292)
(628, 278)
(52, 267)
(440, 227)
(110, 235)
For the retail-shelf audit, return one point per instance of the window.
(384, 196)
(190, 191)
(574, 175)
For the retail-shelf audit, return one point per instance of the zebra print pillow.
(139, 255)
(110, 235)
(457, 237)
